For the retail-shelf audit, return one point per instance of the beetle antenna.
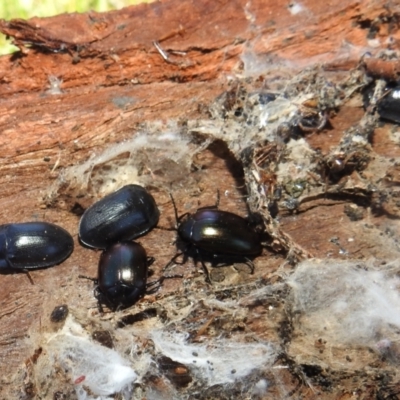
(175, 209)
(218, 199)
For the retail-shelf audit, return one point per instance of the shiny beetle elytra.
(220, 232)
(122, 276)
(217, 236)
(389, 105)
(123, 215)
(33, 245)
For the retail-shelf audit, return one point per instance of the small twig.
(163, 53)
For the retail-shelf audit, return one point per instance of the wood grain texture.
(113, 84)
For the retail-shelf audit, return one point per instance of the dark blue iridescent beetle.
(122, 275)
(388, 106)
(126, 214)
(217, 236)
(33, 245)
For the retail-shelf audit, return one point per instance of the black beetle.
(218, 236)
(123, 215)
(59, 314)
(389, 105)
(31, 245)
(122, 275)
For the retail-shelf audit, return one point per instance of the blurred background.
(45, 8)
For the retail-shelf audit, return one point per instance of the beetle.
(122, 275)
(124, 215)
(388, 106)
(59, 313)
(216, 235)
(32, 245)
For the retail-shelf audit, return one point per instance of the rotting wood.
(114, 82)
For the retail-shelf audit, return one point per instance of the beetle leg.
(29, 276)
(159, 282)
(88, 278)
(150, 260)
(185, 258)
(174, 260)
(96, 292)
(250, 264)
(100, 307)
(175, 209)
(171, 261)
(206, 271)
(99, 297)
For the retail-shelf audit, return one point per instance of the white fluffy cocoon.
(347, 302)
(218, 361)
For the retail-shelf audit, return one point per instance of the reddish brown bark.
(113, 81)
